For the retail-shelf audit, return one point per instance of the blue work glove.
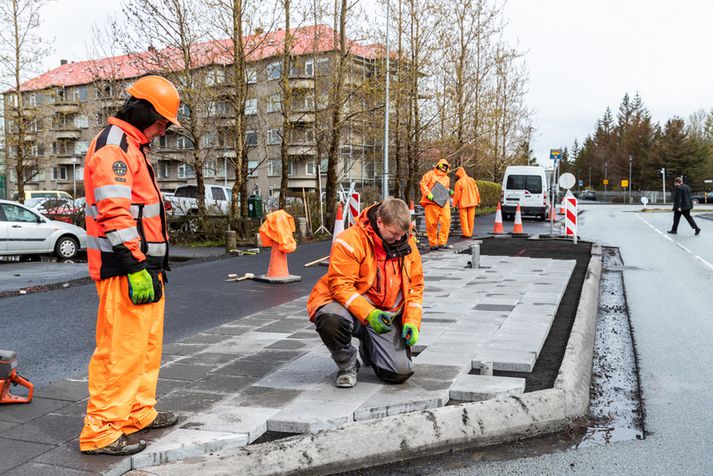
(410, 334)
(430, 196)
(141, 287)
(380, 321)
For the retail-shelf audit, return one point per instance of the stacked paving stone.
(271, 372)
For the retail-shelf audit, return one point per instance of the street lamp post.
(74, 177)
(385, 184)
(629, 179)
(606, 179)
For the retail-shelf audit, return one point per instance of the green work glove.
(410, 334)
(430, 196)
(380, 321)
(451, 192)
(141, 287)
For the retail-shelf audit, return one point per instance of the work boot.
(672, 232)
(162, 420)
(123, 446)
(434, 248)
(698, 231)
(348, 378)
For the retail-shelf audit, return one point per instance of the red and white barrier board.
(354, 207)
(570, 218)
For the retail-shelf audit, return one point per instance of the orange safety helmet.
(162, 95)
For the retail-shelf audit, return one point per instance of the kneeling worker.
(373, 291)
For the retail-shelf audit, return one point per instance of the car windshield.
(189, 191)
(531, 183)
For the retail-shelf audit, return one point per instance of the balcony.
(66, 106)
(301, 149)
(302, 117)
(66, 133)
(302, 182)
(301, 83)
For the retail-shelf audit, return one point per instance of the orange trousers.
(123, 371)
(436, 216)
(467, 221)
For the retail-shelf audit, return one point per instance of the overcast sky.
(582, 55)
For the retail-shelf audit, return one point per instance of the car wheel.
(66, 247)
(695, 201)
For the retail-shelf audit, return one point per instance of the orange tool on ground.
(9, 376)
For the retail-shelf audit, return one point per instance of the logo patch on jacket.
(119, 168)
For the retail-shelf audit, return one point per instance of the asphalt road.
(668, 280)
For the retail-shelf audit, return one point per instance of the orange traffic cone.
(412, 212)
(551, 216)
(517, 226)
(277, 270)
(498, 226)
(338, 222)
(561, 210)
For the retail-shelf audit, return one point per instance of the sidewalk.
(269, 372)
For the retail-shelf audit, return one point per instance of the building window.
(164, 170)
(60, 172)
(80, 94)
(38, 150)
(274, 103)
(310, 168)
(252, 168)
(274, 168)
(323, 66)
(215, 77)
(274, 70)
(185, 171)
(209, 139)
(81, 122)
(291, 168)
(250, 138)
(183, 142)
(184, 112)
(209, 168)
(32, 100)
(309, 68)
(250, 107)
(81, 147)
(251, 76)
(274, 136)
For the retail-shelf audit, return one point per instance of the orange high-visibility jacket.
(278, 229)
(465, 191)
(429, 180)
(352, 272)
(126, 224)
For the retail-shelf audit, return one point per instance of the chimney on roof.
(62, 62)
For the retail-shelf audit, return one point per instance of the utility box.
(255, 206)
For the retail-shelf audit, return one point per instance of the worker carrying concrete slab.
(127, 251)
(466, 197)
(436, 214)
(373, 291)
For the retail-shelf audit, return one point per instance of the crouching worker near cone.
(373, 291)
(127, 250)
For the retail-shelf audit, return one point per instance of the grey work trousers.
(385, 353)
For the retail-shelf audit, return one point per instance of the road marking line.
(704, 261)
(684, 248)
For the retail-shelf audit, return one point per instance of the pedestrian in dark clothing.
(682, 205)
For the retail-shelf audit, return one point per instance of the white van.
(42, 194)
(526, 186)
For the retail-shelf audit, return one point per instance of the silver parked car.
(24, 231)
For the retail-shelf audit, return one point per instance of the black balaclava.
(139, 113)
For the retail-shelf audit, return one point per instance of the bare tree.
(21, 52)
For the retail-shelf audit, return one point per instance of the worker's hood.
(460, 172)
(439, 172)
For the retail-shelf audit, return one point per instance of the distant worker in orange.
(466, 197)
(435, 214)
(127, 250)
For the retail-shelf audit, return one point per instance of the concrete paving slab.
(182, 444)
(227, 384)
(27, 412)
(69, 456)
(276, 355)
(286, 325)
(228, 330)
(398, 399)
(205, 339)
(69, 390)
(462, 361)
(291, 344)
(249, 368)
(475, 388)
(41, 469)
(292, 380)
(185, 372)
(6, 425)
(209, 358)
(264, 397)
(506, 360)
(16, 453)
(47, 429)
(166, 386)
(183, 349)
(251, 421)
(188, 402)
(309, 416)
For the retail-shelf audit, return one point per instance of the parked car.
(587, 195)
(185, 200)
(24, 231)
(30, 194)
(524, 186)
(702, 197)
(60, 209)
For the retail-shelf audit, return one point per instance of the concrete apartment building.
(69, 105)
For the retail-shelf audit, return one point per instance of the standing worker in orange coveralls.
(466, 197)
(435, 214)
(127, 249)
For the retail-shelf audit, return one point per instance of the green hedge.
(489, 193)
